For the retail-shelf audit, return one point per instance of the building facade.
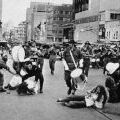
(36, 17)
(0, 20)
(58, 15)
(18, 34)
(92, 19)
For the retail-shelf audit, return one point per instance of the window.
(115, 16)
(60, 31)
(54, 31)
(116, 34)
(55, 18)
(61, 18)
(66, 12)
(81, 5)
(61, 12)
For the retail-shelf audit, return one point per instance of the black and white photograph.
(59, 59)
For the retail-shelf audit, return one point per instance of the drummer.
(69, 62)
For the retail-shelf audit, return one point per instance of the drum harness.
(76, 68)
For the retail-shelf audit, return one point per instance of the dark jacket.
(76, 54)
(30, 73)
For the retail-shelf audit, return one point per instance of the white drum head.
(21, 54)
(76, 73)
(112, 67)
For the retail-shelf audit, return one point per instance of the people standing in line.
(69, 64)
(52, 59)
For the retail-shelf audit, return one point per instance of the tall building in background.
(97, 20)
(36, 17)
(44, 21)
(0, 20)
(58, 16)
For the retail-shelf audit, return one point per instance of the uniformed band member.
(69, 62)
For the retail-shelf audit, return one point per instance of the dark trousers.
(39, 76)
(52, 64)
(68, 78)
(1, 80)
(70, 84)
(17, 67)
(77, 101)
(86, 66)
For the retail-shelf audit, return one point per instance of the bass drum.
(112, 67)
(76, 79)
(18, 53)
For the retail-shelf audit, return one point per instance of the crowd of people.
(77, 63)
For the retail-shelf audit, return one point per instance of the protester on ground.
(97, 97)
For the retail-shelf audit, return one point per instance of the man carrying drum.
(69, 63)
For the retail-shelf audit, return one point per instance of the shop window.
(61, 12)
(115, 16)
(60, 18)
(60, 31)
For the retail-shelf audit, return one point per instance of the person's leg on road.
(1, 83)
(68, 81)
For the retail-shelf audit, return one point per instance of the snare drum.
(75, 75)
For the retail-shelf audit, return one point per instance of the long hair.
(101, 92)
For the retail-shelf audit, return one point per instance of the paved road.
(44, 106)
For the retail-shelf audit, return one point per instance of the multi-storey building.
(58, 15)
(19, 33)
(36, 17)
(96, 20)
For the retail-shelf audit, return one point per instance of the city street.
(44, 106)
